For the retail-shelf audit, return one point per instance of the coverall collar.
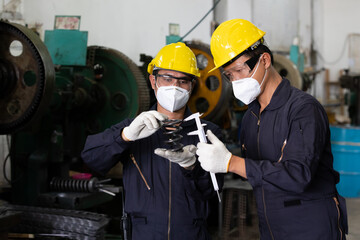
(279, 98)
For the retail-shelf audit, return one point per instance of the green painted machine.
(49, 108)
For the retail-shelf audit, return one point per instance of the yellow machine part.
(211, 94)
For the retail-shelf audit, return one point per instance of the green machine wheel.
(125, 86)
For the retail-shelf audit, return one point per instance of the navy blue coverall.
(176, 206)
(289, 164)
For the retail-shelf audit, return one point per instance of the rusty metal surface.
(27, 76)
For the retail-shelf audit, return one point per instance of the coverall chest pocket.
(295, 139)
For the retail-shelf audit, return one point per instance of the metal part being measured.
(171, 128)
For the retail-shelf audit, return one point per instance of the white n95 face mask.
(172, 98)
(247, 89)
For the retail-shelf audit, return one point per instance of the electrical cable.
(10, 181)
(213, 7)
(341, 54)
(4, 171)
(5, 161)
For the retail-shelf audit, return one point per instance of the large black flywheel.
(26, 77)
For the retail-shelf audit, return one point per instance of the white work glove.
(144, 125)
(185, 158)
(213, 157)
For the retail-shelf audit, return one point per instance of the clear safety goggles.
(168, 80)
(240, 70)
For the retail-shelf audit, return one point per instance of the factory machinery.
(345, 139)
(50, 100)
(48, 109)
(350, 80)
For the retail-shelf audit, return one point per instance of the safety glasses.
(240, 70)
(168, 80)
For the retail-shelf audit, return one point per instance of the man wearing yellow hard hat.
(285, 139)
(166, 191)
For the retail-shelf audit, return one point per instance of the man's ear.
(152, 81)
(267, 59)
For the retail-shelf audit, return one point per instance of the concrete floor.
(353, 210)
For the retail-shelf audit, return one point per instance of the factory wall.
(340, 19)
(132, 27)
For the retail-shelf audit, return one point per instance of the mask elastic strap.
(257, 65)
(262, 81)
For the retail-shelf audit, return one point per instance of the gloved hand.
(213, 157)
(144, 125)
(185, 158)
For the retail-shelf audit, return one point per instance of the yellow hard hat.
(176, 57)
(231, 38)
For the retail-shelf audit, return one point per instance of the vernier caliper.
(202, 137)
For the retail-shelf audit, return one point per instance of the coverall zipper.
(169, 200)
(282, 150)
(262, 188)
(338, 218)
(258, 132)
(243, 147)
(266, 218)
